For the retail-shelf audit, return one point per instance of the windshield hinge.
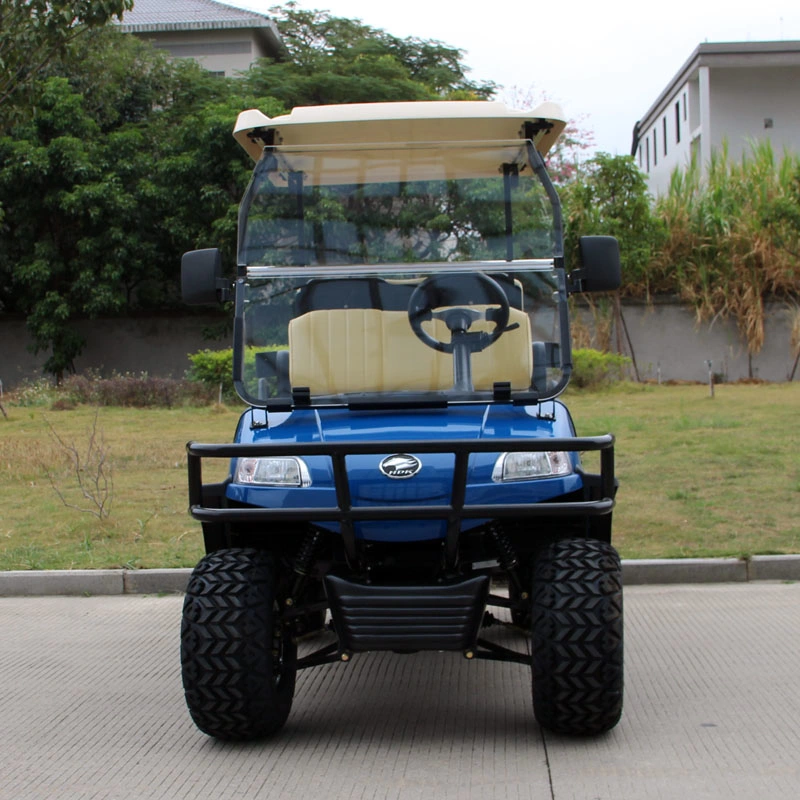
(301, 396)
(539, 126)
(264, 135)
(501, 392)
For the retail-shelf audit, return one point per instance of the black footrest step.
(440, 616)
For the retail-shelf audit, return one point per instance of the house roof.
(156, 16)
(727, 54)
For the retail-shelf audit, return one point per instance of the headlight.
(526, 466)
(272, 472)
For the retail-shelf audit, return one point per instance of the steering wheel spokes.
(460, 301)
(450, 298)
(459, 319)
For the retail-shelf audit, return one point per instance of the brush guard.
(204, 500)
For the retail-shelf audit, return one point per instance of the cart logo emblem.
(400, 465)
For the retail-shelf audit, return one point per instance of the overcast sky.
(605, 61)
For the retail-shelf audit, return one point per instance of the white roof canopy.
(379, 123)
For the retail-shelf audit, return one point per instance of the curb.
(645, 572)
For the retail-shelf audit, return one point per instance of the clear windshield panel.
(396, 204)
(454, 333)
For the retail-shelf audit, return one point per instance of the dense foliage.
(733, 237)
(116, 161)
(725, 240)
(122, 166)
(334, 60)
(33, 32)
(592, 369)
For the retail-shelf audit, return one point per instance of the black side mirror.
(201, 277)
(600, 265)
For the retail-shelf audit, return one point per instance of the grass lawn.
(698, 476)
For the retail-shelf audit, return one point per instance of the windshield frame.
(555, 263)
(524, 150)
(551, 315)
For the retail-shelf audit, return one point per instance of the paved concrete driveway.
(92, 707)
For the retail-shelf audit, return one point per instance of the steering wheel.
(447, 292)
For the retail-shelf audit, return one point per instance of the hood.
(454, 422)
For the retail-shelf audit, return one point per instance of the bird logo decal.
(400, 465)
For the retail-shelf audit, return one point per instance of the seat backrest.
(334, 351)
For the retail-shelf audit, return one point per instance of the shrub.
(214, 368)
(592, 369)
(131, 390)
(41, 392)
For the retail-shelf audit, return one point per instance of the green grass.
(148, 525)
(698, 476)
(701, 476)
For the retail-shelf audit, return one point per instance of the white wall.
(653, 140)
(227, 51)
(742, 99)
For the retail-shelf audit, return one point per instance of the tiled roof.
(149, 16)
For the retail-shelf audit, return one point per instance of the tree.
(33, 32)
(609, 196)
(334, 60)
(126, 160)
(107, 184)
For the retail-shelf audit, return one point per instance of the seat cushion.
(336, 351)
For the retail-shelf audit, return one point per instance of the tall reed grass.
(733, 237)
(725, 238)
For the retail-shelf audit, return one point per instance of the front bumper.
(204, 500)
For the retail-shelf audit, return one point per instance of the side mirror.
(201, 277)
(600, 265)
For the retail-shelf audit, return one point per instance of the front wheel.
(238, 664)
(576, 639)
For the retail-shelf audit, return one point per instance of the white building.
(735, 92)
(225, 40)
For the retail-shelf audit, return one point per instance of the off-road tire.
(238, 666)
(576, 637)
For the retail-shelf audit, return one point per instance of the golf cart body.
(401, 337)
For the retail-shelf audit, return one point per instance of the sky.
(604, 61)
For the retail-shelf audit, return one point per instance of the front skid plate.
(442, 616)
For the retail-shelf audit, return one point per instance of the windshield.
(396, 204)
(400, 274)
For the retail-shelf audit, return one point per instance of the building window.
(647, 152)
(655, 147)
(684, 107)
(678, 122)
(664, 137)
(640, 156)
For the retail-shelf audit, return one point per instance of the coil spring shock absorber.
(506, 554)
(305, 558)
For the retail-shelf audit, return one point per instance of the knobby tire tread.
(577, 637)
(235, 689)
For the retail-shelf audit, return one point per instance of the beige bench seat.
(338, 351)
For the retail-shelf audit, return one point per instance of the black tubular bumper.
(346, 515)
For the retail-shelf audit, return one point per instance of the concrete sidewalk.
(32, 583)
(93, 709)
